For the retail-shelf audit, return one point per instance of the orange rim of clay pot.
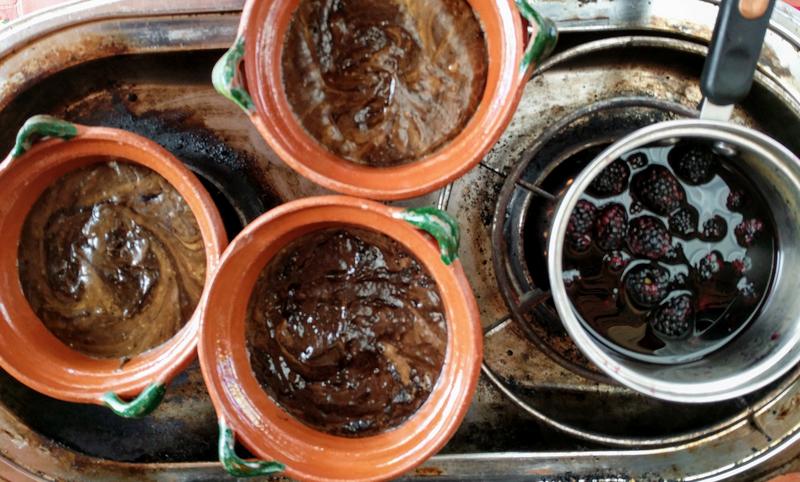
(28, 350)
(261, 94)
(247, 412)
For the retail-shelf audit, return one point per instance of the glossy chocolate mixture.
(112, 260)
(346, 331)
(384, 82)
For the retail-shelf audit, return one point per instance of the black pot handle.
(735, 48)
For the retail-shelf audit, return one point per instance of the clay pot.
(260, 93)
(246, 410)
(28, 350)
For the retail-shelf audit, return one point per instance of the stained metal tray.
(145, 65)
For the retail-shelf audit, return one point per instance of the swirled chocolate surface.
(384, 82)
(346, 331)
(112, 260)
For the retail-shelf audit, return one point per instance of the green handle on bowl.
(42, 126)
(235, 465)
(226, 77)
(438, 224)
(542, 43)
(146, 402)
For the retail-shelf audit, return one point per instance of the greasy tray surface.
(169, 98)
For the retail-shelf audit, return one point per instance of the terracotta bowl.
(260, 93)
(244, 408)
(28, 350)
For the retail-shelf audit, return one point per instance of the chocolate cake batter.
(346, 331)
(384, 82)
(112, 260)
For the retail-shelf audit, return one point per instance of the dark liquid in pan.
(678, 262)
(346, 331)
(384, 82)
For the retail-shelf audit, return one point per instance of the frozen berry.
(610, 226)
(710, 265)
(673, 319)
(648, 237)
(579, 228)
(742, 265)
(615, 260)
(658, 190)
(683, 222)
(636, 207)
(747, 290)
(694, 163)
(674, 255)
(715, 229)
(638, 160)
(612, 181)
(735, 200)
(679, 281)
(747, 230)
(570, 277)
(647, 284)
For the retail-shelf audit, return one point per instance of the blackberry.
(715, 229)
(747, 230)
(709, 265)
(683, 222)
(647, 284)
(648, 237)
(612, 181)
(638, 160)
(579, 228)
(694, 164)
(615, 260)
(610, 226)
(735, 200)
(658, 190)
(673, 319)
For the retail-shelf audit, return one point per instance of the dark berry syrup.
(669, 253)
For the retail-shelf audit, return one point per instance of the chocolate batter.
(384, 82)
(112, 259)
(346, 331)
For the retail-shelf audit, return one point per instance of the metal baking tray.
(145, 65)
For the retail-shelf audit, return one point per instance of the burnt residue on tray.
(107, 93)
(224, 171)
(346, 331)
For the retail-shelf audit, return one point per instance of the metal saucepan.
(768, 346)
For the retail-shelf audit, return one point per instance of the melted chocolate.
(346, 331)
(112, 260)
(384, 82)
